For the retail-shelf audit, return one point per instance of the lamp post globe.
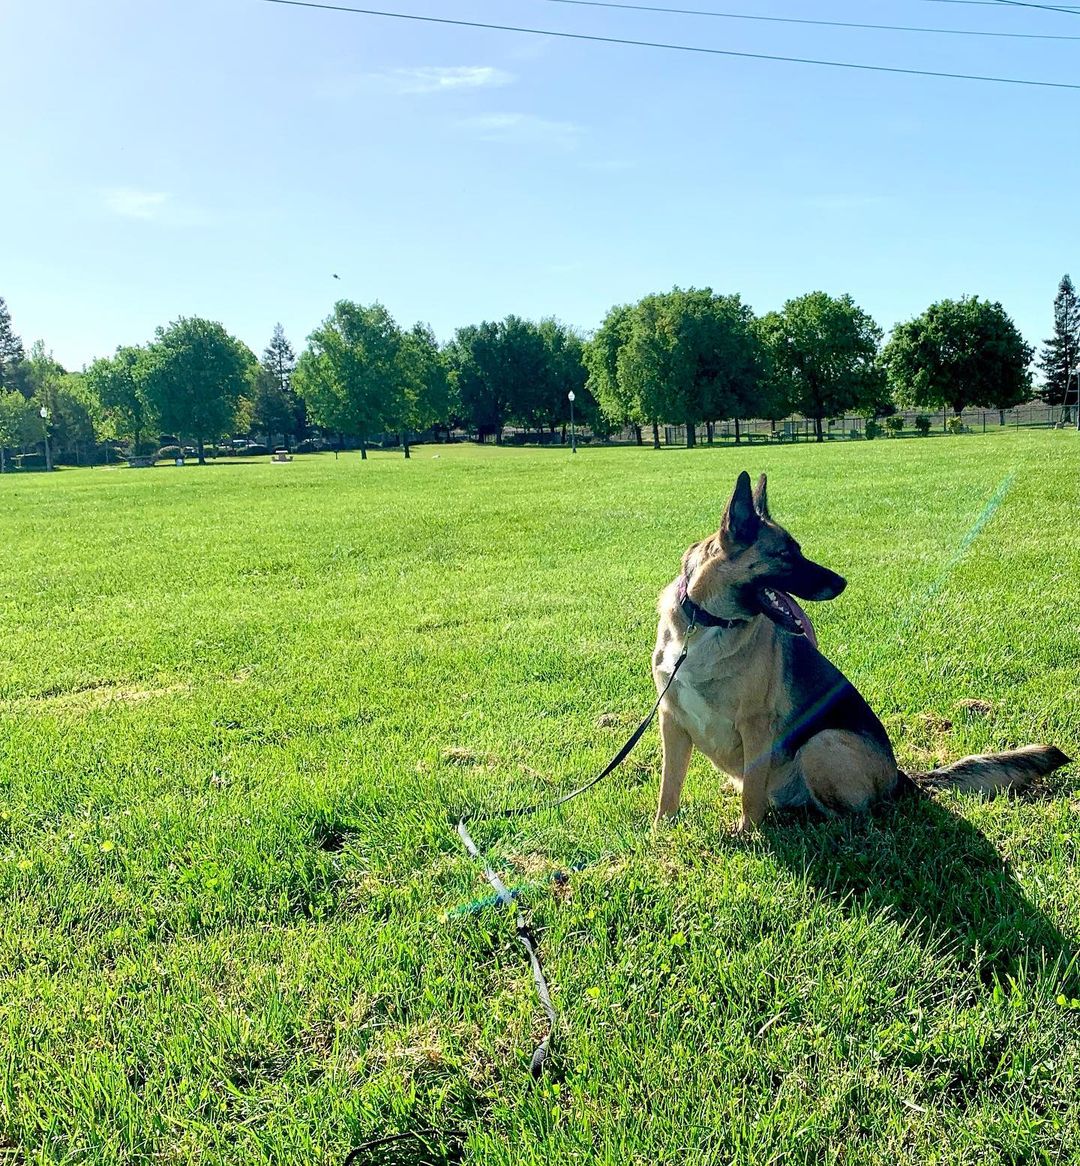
(573, 432)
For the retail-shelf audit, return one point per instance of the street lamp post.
(48, 451)
(573, 432)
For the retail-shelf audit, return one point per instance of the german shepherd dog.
(756, 696)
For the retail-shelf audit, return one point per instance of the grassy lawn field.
(237, 702)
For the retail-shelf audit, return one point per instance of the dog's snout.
(832, 585)
(818, 583)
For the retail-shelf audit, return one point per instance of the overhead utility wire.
(1067, 8)
(644, 44)
(816, 23)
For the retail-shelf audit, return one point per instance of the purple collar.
(698, 616)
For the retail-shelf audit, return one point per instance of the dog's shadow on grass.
(923, 863)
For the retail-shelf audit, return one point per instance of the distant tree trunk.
(498, 434)
(1001, 416)
(637, 434)
(563, 432)
(738, 432)
(202, 452)
(405, 443)
(709, 427)
(772, 424)
(655, 435)
(3, 462)
(818, 431)
(691, 435)
(363, 447)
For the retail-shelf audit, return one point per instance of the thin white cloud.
(523, 128)
(131, 203)
(420, 81)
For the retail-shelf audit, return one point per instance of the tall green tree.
(616, 398)
(114, 386)
(689, 357)
(1060, 357)
(473, 362)
(194, 377)
(279, 359)
(823, 355)
(20, 425)
(564, 373)
(722, 359)
(73, 430)
(350, 374)
(517, 371)
(46, 375)
(424, 398)
(960, 354)
(275, 407)
(528, 366)
(645, 366)
(14, 373)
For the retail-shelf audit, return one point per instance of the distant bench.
(281, 455)
(142, 462)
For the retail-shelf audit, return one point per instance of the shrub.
(855, 434)
(873, 429)
(922, 424)
(169, 452)
(955, 424)
(894, 424)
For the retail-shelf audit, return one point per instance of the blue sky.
(225, 158)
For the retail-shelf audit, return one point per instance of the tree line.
(688, 357)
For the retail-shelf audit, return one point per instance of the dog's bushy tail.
(992, 773)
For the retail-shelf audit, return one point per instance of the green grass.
(229, 929)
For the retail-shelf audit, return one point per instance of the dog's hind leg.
(677, 750)
(845, 771)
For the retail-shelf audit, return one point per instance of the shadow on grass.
(920, 862)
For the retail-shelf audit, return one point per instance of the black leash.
(426, 1138)
(506, 899)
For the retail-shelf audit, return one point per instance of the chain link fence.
(796, 429)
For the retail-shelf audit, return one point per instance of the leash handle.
(525, 936)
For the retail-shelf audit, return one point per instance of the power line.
(1067, 8)
(816, 23)
(645, 44)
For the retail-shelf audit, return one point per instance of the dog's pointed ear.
(761, 499)
(741, 521)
